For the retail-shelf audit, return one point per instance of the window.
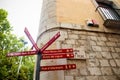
(109, 12)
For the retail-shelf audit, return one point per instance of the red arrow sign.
(46, 45)
(50, 41)
(58, 51)
(24, 53)
(31, 39)
(58, 67)
(57, 56)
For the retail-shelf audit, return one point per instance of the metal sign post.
(37, 72)
(46, 54)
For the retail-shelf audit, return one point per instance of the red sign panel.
(58, 67)
(31, 39)
(24, 53)
(57, 56)
(50, 41)
(58, 51)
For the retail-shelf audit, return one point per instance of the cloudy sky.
(23, 13)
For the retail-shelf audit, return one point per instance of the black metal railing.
(110, 23)
(111, 16)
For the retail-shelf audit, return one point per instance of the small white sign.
(78, 54)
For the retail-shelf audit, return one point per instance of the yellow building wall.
(77, 11)
(118, 1)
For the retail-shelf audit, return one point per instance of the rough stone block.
(69, 78)
(117, 49)
(94, 71)
(96, 48)
(98, 55)
(113, 44)
(83, 71)
(118, 44)
(102, 38)
(108, 78)
(100, 43)
(92, 34)
(104, 63)
(106, 55)
(92, 77)
(115, 55)
(93, 43)
(93, 38)
(105, 49)
(106, 71)
(73, 72)
(113, 39)
(116, 71)
(70, 41)
(82, 32)
(80, 78)
(111, 49)
(93, 62)
(81, 42)
(112, 63)
(117, 62)
(66, 45)
(84, 37)
(73, 36)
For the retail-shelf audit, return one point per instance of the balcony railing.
(110, 23)
(110, 13)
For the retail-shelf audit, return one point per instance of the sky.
(23, 13)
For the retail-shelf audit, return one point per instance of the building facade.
(92, 29)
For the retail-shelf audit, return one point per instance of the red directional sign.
(31, 39)
(50, 41)
(53, 51)
(58, 67)
(24, 53)
(46, 45)
(58, 51)
(57, 56)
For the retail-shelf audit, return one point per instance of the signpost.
(58, 67)
(58, 51)
(57, 56)
(46, 54)
(27, 53)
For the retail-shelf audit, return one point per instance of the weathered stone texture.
(112, 63)
(92, 78)
(80, 78)
(69, 78)
(102, 55)
(83, 71)
(108, 78)
(94, 71)
(106, 71)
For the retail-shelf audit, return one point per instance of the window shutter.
(111, 14)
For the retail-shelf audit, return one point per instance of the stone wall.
(102, 54)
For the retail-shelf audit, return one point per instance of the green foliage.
(10, 43)
(3, 14)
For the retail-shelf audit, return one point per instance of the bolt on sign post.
(46, 54)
